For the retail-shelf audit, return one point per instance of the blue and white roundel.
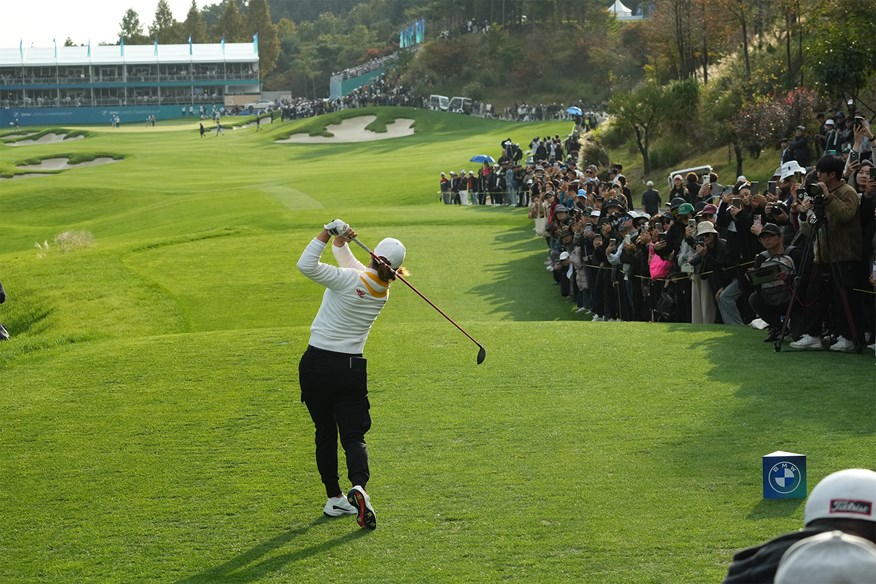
(784, 477)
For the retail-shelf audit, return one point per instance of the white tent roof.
(112, 54)
(619, 9)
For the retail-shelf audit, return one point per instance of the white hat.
(829, 122)
(392, 250)
(704, 227)
(741, 179)
(564, 256)
(831, 557)
(791, 168)
(650, 183)
(846, 494)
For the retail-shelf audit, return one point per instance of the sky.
(37, 22)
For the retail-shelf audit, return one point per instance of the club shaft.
(418, 293)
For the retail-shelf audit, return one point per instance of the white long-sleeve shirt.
(353, 298)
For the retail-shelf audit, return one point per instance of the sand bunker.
(47, 139)
(64, 164)
(18, 136)
(353, 130)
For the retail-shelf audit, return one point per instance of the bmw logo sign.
(785, 477)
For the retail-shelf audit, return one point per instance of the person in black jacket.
(743, 246)
(710, 275)
(844, 500)
(770, 300)
(692, 188)
(799, 147)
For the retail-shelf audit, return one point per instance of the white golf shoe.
(337, 506)
(843, 344)
(808, 343)
(359, 499)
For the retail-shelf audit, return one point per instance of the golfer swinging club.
(332, 373)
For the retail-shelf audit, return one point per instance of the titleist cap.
(391, 249)
(846, 494)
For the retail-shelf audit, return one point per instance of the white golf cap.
(846, 494)
(391, 249)
(564, 255)
(832, 557)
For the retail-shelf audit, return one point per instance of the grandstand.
(67, 85)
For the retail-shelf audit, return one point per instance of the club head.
(482, 354)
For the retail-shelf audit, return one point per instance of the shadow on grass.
(766, 509)
(814, 403)
(253, 564)
(521, 289)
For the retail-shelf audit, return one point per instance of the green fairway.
(150, 423)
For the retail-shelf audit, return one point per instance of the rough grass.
(149, 416)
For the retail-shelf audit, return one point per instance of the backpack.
(775, 277)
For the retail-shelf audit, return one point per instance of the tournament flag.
(255, 43)
(190, 44)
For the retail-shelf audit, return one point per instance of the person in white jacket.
(332, 372)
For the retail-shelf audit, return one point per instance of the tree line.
(738, 72)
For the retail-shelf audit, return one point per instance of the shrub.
(666, 153)
(614, 135)
(473, 90)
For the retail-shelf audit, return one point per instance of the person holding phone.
(332, 372)
(862, 145)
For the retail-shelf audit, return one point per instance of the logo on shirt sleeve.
(360, 293)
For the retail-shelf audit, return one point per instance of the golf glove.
(337, 227)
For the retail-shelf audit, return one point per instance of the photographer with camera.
(773, 277)
(837, 256)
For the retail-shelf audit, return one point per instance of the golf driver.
(482, 353)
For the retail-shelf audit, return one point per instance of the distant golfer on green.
(332, 371)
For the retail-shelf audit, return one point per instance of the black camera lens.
(813, 190)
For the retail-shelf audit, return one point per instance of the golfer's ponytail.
(386, 273)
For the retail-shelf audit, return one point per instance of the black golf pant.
(334, 387)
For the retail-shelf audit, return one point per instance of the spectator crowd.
(797, 258)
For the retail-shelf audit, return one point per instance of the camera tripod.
(819, 225)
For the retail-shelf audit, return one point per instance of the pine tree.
(194, 26)
(130, 28)
(259, 21)
(230, 25)
(164, 24)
